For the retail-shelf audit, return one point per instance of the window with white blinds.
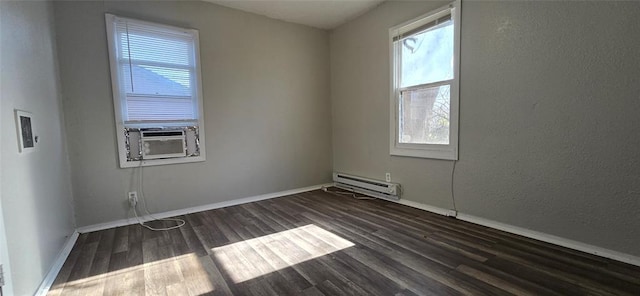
(156, 71)
(155, 77)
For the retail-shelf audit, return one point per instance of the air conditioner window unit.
(161, 143)
(370, 187)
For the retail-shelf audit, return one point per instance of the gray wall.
(35, 187)
(549, 125)
(266, 107)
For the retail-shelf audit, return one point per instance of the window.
(155, 74)
(424, 85)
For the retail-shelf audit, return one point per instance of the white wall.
(549, 125)
(7, 289)
(35, 187)
(266, 107)
(4, 252)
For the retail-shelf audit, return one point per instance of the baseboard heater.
(370, 187)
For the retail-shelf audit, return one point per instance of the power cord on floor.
(453, 196)
(179, 222)
(347, 193)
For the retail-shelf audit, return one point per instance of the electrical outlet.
(133, 198)
(387, 177)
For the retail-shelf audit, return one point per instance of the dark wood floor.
(321, 244)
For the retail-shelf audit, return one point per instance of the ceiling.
(323, 14)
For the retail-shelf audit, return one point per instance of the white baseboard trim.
(428, 208)
(541, 236)
(57, 265)
(556, 240)
(223, 204)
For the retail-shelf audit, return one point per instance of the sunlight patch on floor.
(256, 257)
(123, 280)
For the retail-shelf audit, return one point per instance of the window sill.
(164, 161)
(447, 153)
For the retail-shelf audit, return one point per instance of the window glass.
(427, 56)
(157, 72)
(424, 115)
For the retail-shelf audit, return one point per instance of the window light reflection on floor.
(256, 257)
(241, 261)
(150, 277)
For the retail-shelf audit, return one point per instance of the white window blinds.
(156, 71)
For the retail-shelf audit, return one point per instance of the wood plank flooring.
(318, 243)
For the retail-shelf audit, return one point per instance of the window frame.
(119, 98)
(434, 151)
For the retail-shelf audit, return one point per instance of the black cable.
(346, 192)
(453, 196)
